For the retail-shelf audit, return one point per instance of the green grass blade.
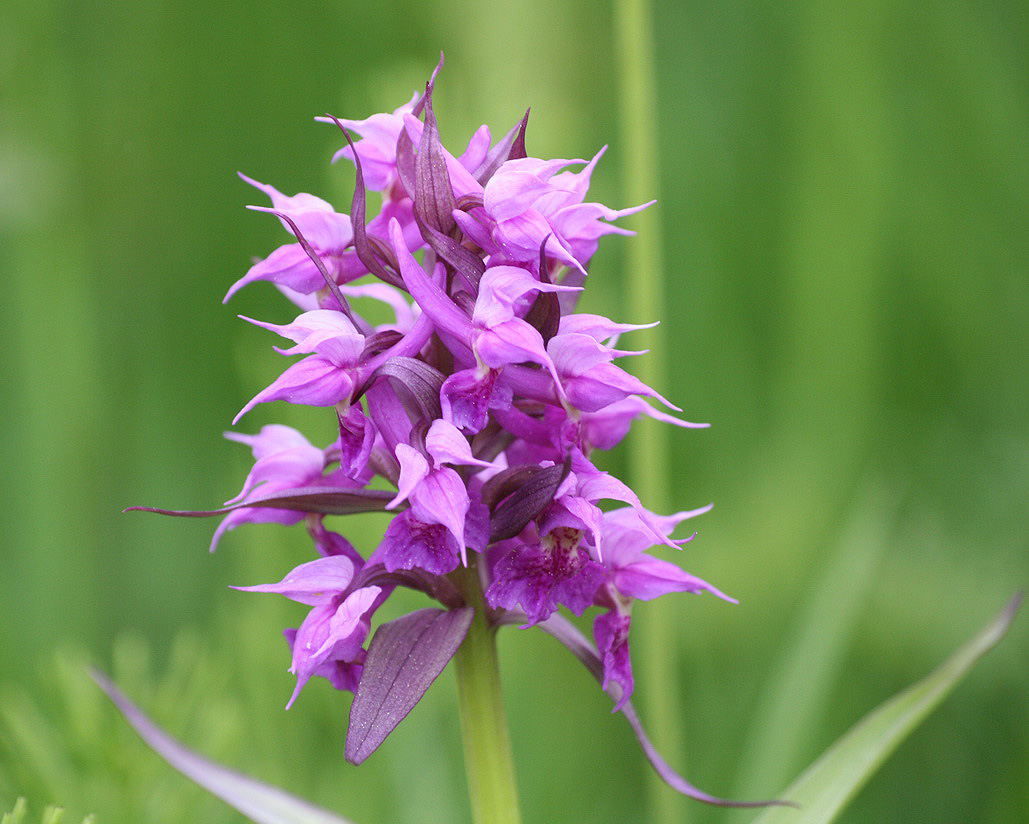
(799, 689)
(51, 815)
(16, 815)
(824, 789)
(649, 445)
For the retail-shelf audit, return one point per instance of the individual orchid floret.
(536, 573)
(557, 560)
(605, 428)
(330, 640)
(436, 493)
(409, 543)
(634, 575)
(282, 457)
(502, 337)
(468, 396)
(586, 485)
(326, 377)
(529, 203)
(598, 327)
(638, 575)
(377, 149)
(590, 380)
(284, 460)
(611, 634)
(328, 232)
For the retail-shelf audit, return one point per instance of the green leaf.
(824, 789)
(260, 802)
(799, 688)
(17, 814)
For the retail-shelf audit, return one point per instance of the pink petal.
(312, 583)
(413, 470)
(313, 381)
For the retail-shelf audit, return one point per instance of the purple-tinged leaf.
(505, 482)
(460, 257)
(510, 147)
(535, 491)
(404, 658)
(518, 149)
(568, 634)
(256, 800)
(325, 500)
(437, 587)
(434, 196)
(417, 379)
(545, 314)
(366, 251)
(379, 342)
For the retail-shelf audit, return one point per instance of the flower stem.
(487, 745)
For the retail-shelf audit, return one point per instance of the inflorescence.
(473, 414)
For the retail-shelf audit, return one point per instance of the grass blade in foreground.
(800, 686)
(824, 789)
(258, 801)
(51, 815)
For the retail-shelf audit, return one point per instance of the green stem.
(649, 446)
(487, 745)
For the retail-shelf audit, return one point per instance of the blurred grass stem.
(648, 446)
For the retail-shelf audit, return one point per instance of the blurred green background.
(843, 201)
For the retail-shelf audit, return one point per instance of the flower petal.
(312, 583)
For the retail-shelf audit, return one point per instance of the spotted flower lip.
(470, 400)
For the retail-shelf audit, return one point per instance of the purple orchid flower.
(634, 575)
(377, 150)
(537, 573)
(324, 378)
(437, 493)
(284, 460)
(330, 640)
(480, 400)
(529, 202)
(329, 233)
